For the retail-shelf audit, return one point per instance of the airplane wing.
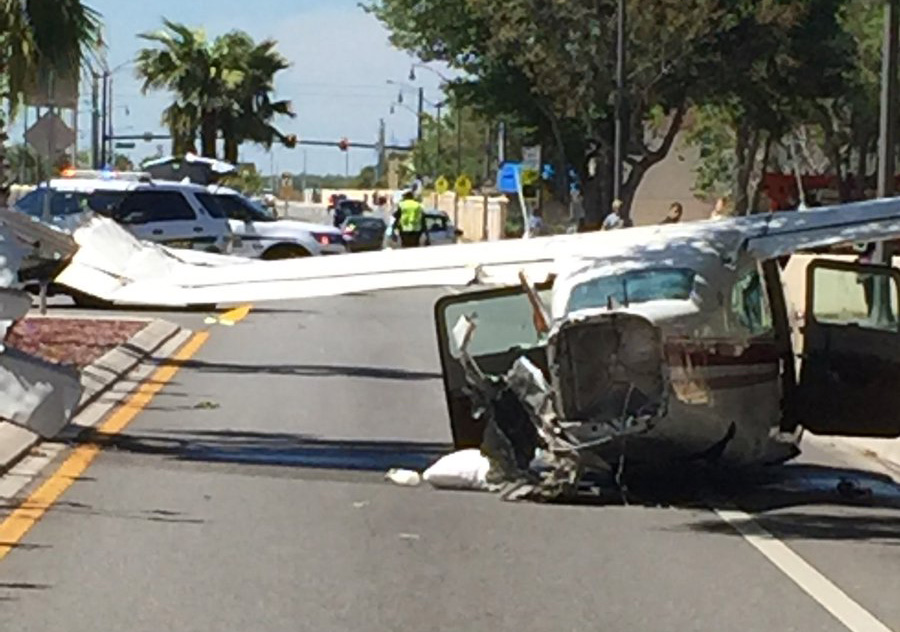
(778, 234)
(112, 265)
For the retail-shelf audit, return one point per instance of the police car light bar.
(94, 174)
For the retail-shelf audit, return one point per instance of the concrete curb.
(97, 379)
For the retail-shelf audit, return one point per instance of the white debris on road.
(404, 478)
(464, 470)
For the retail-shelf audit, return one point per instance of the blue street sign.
(508, 177)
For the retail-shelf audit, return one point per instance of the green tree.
(249, 108)
(223, 85)
(121, 162)
(36, 38)
(463, 140)
(552, 67)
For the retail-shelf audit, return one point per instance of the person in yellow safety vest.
(409, 222)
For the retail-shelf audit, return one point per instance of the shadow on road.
(819, 525)
(309, 370)
(281, 449)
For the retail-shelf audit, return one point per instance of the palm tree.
(223, 85)
(250, 109)
(181, 63)
(38, 38)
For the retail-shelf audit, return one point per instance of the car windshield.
(637, 286)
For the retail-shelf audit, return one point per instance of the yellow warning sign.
(463, 186)
(441, 185)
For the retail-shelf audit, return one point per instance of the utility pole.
(440, 124)
(881, 305)
(303, 179)
(95, 120)
(104, 109)
(619, 155)
(887, 132)
(458, 140)
(111, 150)
(420, 113)
(380, 162)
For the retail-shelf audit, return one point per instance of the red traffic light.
(344, 144)
(290, 141)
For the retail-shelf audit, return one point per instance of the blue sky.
(338, 81)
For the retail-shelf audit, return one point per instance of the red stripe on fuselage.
(683, 353)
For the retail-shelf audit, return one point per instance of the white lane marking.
(798, 570)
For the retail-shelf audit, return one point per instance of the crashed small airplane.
(657, 345)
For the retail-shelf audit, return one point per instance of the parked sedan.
(441, 229)
(364, 233)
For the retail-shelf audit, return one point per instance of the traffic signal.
(344, 144)
(290, 141)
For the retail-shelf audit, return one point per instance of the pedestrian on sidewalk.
(614, 220)
(674, 215)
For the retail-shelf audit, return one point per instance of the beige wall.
(670, 180)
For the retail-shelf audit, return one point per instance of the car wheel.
(284, 251)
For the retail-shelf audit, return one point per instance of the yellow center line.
(20, 521)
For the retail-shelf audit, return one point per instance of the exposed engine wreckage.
(660, 345)
(543, 436)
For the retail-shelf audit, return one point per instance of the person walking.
(674, 214)
(409, 221)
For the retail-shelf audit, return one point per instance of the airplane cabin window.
(750, 304)
(846, 297)
(637, 286)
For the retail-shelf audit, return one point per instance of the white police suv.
(170, 213)
(258, 233)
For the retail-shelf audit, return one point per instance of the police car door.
(161, 216)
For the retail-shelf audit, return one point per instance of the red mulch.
(70, 341)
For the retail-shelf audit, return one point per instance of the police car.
(259, 233)
(170, 213)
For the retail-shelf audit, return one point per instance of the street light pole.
(437, 161)
(619, 157)
(458, 140)
(421, 112)
(104, 114)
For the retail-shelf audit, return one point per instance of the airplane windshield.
(637, 286)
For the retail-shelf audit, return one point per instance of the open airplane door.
(850, 372)
(505, 330)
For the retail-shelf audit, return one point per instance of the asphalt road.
(265, 509)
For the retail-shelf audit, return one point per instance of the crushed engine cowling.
(606, 370)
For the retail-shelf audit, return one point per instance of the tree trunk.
(5, 176)
(746, 150)
(598, 186)
(231, 149)
(209, 130)
(757, 186)
(640, 169)
(862, 161)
